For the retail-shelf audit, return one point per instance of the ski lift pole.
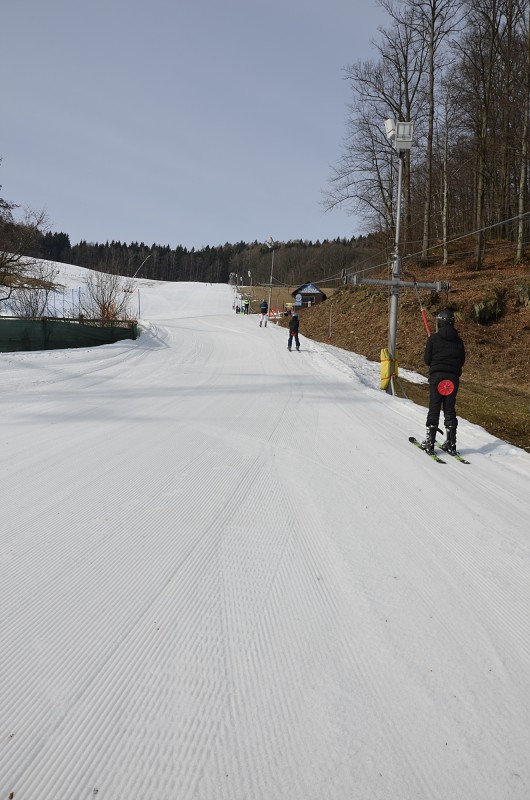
(423, 314)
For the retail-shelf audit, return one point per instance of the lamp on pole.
(399, 134)
(270, 245)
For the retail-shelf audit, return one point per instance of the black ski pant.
(438, 401)
(296, 339)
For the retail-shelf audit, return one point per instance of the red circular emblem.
(446, 387)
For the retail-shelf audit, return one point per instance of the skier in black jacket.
(445, 356)
(293, 332)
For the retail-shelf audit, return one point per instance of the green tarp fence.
(54, 334)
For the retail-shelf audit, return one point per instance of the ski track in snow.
(225, 575)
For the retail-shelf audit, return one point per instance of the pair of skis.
(435, 456)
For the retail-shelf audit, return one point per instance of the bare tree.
(17, 240)
(389, 87)
(480, 50)
(362, 179)
(433, 21)
(450, 161)
(403, 49)
(444, 170)
(107, 297)
(30, 300)
(524, 147)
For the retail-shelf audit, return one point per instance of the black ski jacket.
(293, 326)
(445, 353)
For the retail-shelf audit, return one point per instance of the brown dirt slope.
(495, 387)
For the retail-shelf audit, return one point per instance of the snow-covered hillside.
(226, 575)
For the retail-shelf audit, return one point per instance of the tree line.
(27, 242)
(294, 261)
(460, 71)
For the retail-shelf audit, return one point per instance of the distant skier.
(293, 332)
(264, 308)
(445, 356)
(246, 305)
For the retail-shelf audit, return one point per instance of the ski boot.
(450, 443)
(430, 438)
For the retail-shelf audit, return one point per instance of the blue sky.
(193, 123)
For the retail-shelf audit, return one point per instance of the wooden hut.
(308, 295)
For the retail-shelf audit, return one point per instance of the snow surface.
(226, 575)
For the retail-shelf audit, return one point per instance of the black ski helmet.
(445, 317)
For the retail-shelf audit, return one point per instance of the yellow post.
(386, 368)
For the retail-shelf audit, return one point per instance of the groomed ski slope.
(227, 575)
